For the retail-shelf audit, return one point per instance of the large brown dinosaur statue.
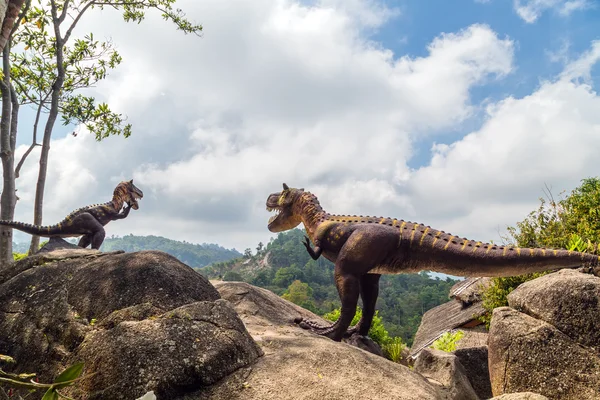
(88, 221)
(363, 248)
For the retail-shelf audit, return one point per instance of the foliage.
(393, 349)
(66, 378)
(447, 342)
(497, 294)
(194, 255)
(572, 223)
(301, 294)
(19, 256)
(232, 276)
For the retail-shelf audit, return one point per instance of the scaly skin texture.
(363, 248)
(88, 221)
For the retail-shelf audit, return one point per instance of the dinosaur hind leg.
(369, 290)
(348, 288)
(92, 229)
(85, 241)
(98, 238)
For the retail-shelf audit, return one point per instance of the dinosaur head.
(283, 203)
(130, 193)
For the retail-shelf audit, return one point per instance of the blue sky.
(450, 113)
(565, 36)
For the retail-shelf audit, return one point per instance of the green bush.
(19, 256)
(447, 342)
(393, 349)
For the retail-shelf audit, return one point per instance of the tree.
(298, 292)
(8, 139)
(248, 253)
(50, 71)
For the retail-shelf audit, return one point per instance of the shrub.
(447, 342)
(393, 349)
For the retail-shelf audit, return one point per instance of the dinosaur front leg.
(314, 254)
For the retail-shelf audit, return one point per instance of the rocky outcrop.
(141, 321)
(446, 371)
(567, 299)
(300, 364)
(548, 341)
(475, 362)
(527, 354)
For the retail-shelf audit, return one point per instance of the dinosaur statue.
(363, 248)
(88, 221)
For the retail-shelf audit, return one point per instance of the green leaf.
(70, 373)
(7, 359)
(50, 394)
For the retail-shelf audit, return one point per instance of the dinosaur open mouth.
(133, 201)
(277, 213)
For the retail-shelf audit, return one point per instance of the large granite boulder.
(140, 321)
(475, 362)
(567, 299)
(301, 365)
(446, 371)
(527, 354)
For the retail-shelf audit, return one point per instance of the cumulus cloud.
(531, 10)
(274, 91)
(492, 177)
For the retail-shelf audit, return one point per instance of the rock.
(365, 343)
(301, 365)
(56, 243)
(445, 370)
(520, 396)
(261, 306)
(526, 354)
(475, 362)
(567, 299)
(193, 345)
(144, 321)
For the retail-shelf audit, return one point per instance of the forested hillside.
(284, 267)
(194, 255)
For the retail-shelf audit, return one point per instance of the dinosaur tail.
(46, 231)
(446, 253)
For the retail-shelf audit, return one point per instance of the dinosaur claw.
(304, 325)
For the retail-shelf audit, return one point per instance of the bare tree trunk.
(52, 115)
(8, 197)
(41, 182)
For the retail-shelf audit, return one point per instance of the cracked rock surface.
(139, 321)
(527, 354)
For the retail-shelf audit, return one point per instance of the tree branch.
(63, 14)
(34, 140)
(76, 20)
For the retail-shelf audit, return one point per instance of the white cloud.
(274, 91)
(492, 177)
(531, 10)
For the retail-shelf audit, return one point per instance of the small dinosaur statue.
(88, 221)
(363, 248)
